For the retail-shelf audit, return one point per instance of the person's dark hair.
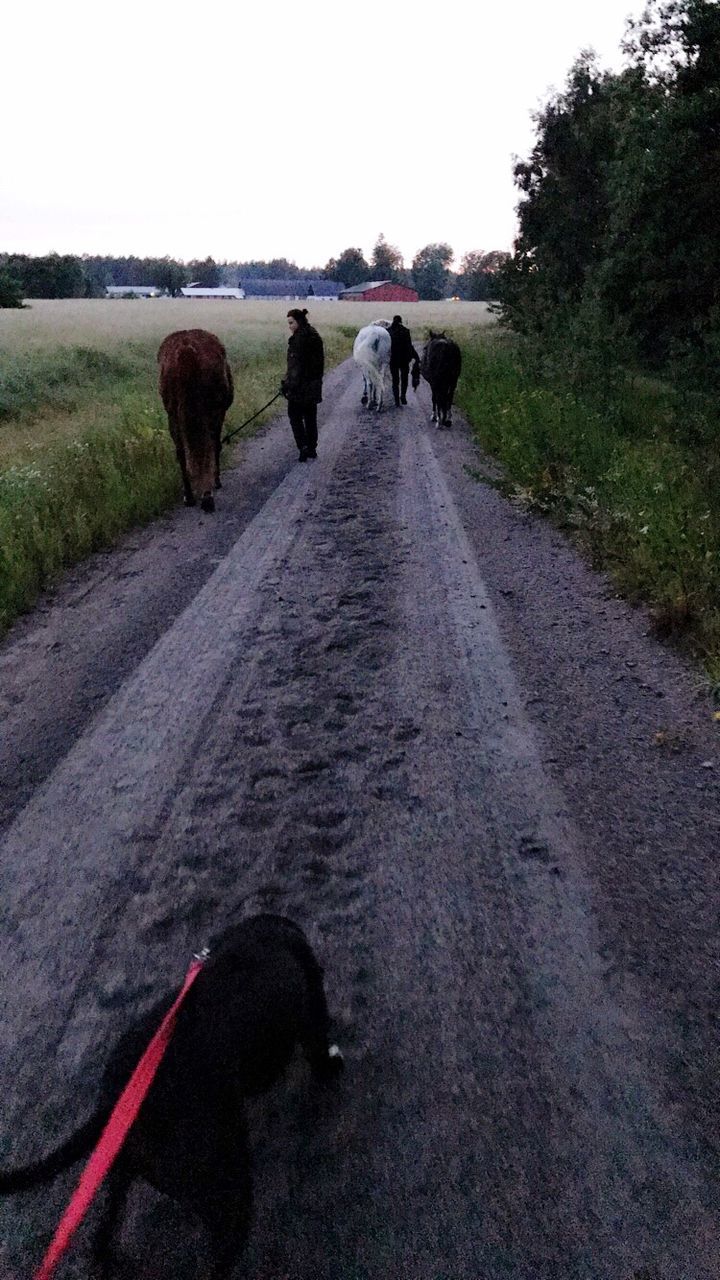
(297, 314)
(397, 320)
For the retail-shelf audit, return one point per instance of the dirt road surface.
(373, 695)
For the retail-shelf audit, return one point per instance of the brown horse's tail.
(415, 374)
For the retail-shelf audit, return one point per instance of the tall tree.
(52, 276)
(662, 267)
(206, 273)
(386, 262)
(351, 267)
(11, 293)
(170, 275)
(430, 270)
(477, 278)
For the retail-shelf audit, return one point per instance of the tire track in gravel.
(350, 748)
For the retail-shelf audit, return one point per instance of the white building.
(133, 291)
(223, 291)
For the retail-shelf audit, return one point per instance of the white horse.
(371, 351)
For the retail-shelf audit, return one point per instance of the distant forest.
(68, 276)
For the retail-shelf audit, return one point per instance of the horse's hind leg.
(448, 411)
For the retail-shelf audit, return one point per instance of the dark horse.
(441, 363)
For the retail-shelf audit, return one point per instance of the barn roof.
(291, 288)
(369, 284)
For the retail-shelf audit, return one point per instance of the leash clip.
(201, 955)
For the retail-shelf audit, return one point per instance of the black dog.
(258, 996)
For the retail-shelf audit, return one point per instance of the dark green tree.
(351, 268)
(564, 210)
(52, 276)
(430, 270)
(660, 276)
(386, 262)
(477, 278)
(206, 273)
(170, 275)
(11, 293)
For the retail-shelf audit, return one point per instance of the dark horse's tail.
(78, 1144)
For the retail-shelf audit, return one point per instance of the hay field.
(104, 323)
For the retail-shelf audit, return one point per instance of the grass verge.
(634, 475)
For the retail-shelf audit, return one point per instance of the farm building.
(379, 291)
(198, 291)
(133, 291)
(294, 290)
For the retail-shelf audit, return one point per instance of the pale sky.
(271, 129)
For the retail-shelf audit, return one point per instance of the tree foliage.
(477, 278)
(619, 241)
(431, 269)
(11, 294)
(350, 267)
(386, 262)
(52, 276)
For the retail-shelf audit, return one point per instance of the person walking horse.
(302, 384)
(402, 352)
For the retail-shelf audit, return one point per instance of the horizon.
(256, 136)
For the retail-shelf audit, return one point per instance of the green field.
(84, 448)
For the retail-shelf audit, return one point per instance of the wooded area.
(617, 261)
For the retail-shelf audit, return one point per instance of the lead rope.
(230, 434)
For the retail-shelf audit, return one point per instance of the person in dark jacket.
(402, 352)
(302, 384)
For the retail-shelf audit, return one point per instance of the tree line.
(617, 260)
(87, 276)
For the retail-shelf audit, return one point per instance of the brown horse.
(196, 388)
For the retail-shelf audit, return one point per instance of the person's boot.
(303, 455)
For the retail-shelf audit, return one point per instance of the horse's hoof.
(207, 502)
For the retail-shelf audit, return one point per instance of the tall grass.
(84, 447)
(626, 472)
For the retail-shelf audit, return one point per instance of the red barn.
(379, 291)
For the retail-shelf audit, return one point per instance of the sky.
(273, 129)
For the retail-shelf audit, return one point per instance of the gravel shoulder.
(372, 694)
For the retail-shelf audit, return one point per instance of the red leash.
(116, 1130)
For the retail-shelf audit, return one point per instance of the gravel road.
(372, 694)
